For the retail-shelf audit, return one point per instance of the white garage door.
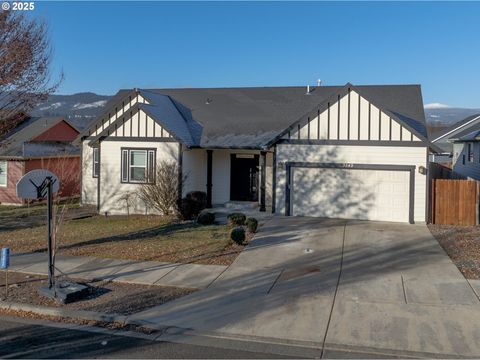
(351, 194)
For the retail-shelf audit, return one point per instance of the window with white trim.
(96, 162)
(3, 173)
(138, 166)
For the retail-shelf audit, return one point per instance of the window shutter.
(151, 166)
(124, 165)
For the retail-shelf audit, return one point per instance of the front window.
(3, 173)
(96, 162)
(138, 165)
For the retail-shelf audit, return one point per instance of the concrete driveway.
(337, 286)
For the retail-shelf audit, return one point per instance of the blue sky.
(104, 46)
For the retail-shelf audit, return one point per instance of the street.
(25, 339)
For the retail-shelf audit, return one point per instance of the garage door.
(351, 193)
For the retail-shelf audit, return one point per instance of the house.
(355, 152)
(466, 150)
(39, 143)
(443, 139)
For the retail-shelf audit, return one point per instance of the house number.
(347, 165)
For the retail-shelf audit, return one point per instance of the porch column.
(263, 169)
(180, 173)
(209, 178)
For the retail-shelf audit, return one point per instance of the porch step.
(241, 205)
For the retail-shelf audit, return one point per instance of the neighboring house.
(348, 151)
(442, 139)
(466, 151)
(39, 143)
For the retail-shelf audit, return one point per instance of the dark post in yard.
(209, 178)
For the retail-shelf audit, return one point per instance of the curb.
(67, 313)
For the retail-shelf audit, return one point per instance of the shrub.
(206, 218)
(199, 197)
(236, 219)
(191, 205)
(252, 224)
(238, 235)
(162, 194)
(187, 209)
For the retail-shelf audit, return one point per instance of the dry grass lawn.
(151, 238)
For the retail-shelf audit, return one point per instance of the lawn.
(151, 238)
(462, 244)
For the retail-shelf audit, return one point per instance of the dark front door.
(244, 177)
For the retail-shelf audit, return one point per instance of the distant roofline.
(457, 126)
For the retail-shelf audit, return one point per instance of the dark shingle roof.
(461, 126)
(250, 117)
(253, 116)
(16, 144)
(472, 133)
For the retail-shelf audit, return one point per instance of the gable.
(122, 108)
(62, 131)
(351, 117)
(137, 125)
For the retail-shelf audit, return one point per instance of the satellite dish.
(33, 185)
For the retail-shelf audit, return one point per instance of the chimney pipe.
(308, 89)
(319, 82)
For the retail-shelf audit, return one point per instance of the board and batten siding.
(121, 110)
(351, 117)
(350, 154)
(469, 169)
(112, 189)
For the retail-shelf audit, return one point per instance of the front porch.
(230, 176)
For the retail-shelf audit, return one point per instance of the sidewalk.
(135, 272)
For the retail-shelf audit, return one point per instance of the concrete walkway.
(336, 285)
(137, 272)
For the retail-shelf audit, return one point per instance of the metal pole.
(51, 280)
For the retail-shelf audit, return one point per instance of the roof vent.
(308, 90)
(208, 101)
(319, 82)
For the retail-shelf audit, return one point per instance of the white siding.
(89, 183)
(370, 120)
(195, 170)
(470, 169)
(385, 155)
(111, 188)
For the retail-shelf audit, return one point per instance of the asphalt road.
(21, 339)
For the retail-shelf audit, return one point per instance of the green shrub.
(252, 224)
(206, 218)
(236, 219)
(238, 235)
(191, 205)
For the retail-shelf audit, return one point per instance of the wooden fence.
(454, 202)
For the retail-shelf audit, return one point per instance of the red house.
(39, 143)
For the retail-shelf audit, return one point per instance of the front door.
(244, 177)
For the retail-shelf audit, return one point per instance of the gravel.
(462, 244)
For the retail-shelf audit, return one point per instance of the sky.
(104, 46)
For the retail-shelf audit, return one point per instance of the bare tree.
(25, 55)
(162, 193)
